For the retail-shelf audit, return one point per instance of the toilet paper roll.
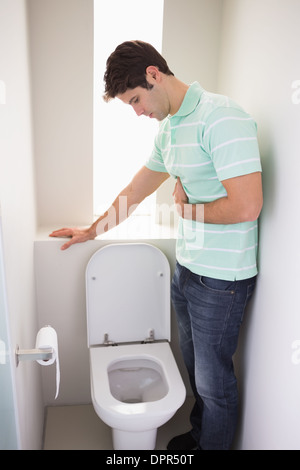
(47, 338)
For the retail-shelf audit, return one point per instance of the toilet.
(135, 382)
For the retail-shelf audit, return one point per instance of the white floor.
(79, 428)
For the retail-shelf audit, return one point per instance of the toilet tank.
(128, 294)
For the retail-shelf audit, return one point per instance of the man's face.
(153, 103)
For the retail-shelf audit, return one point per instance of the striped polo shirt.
(210, 139)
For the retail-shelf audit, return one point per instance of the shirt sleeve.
(230, 138)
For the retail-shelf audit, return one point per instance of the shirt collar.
(190, 101)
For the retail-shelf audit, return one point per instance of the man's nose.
(139, 111)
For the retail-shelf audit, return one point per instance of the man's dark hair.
(126, 67)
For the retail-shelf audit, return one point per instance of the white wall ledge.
(134, 228)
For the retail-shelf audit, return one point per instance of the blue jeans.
(209, 314)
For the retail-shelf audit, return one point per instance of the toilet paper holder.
(33, 354)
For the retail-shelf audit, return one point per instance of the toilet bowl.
(135, 382)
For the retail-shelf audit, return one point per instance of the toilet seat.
(108, 407)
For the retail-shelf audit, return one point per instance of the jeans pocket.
(209, 308)
(218, 285)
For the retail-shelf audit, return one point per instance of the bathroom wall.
(260, 68)
(17, 199)
(61, 51)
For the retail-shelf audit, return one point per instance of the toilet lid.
(128, 294)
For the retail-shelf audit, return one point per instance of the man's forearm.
(220, 211)
(144, 183)
(243, 202)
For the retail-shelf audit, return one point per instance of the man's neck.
(176, 91)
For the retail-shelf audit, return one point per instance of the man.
(209, 145)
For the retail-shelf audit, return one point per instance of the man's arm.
(243, 202)
(144, 183)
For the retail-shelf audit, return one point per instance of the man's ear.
(153, 74)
